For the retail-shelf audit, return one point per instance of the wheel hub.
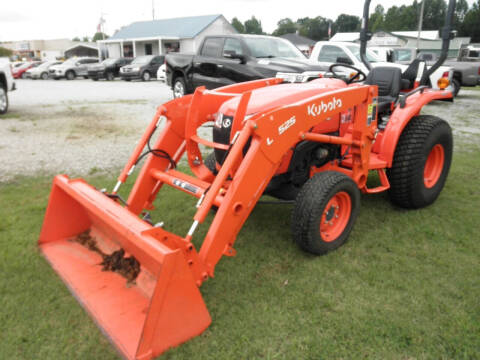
(433, 166)
(335, 216)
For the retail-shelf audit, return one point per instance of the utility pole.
(153, 9)
(420, 22)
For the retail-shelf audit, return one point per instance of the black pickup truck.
(228, 59)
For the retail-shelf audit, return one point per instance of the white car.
(162, 73)
(6, 84)
(41, 71)
(331, 52)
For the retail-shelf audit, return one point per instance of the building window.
(173, 46)
(148, 49)
(128, 50)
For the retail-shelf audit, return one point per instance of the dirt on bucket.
(128, 267)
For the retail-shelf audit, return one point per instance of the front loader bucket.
(143, 315)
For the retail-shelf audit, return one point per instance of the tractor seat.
(410, 74)
(388, 80)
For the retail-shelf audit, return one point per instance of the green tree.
(4, 52)
(285, 26)
(347, 23)
(461, 10)
(237, 24)
(86, 39)
(434, 14)
(253, 26)
(99, 36)
(76, 38)
(471, 24)
(315, 29)
(403, 18)
(377, 18)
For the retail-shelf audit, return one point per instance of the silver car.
(41, 71)
(72, 68)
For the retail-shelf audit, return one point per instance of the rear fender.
(401, 117)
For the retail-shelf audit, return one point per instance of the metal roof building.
(429, 40)
(166, 35)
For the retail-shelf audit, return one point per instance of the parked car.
(72, 68)
(41, 71)
(20, 72)
(108, 69)
(6, 84)
(228, 59)
(327, 53)
(465, 73)
(469, 53)
(162, 73)
(142, 67)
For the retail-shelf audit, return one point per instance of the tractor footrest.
(373, 164)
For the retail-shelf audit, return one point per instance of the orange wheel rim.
(433, 166)
(335, 216)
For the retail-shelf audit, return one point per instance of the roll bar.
(446, 34)
(365, 35)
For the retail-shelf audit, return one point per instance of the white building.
(39, 49)
(162, 36)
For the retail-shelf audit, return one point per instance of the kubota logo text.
(319, 109)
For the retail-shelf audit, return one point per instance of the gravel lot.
(82, 127)
(75, 127)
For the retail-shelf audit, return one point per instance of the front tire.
(70, 75)
(3, 100)
(325, 211)
(179, 88)
(421, 162)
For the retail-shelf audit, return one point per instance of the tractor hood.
(270, 97)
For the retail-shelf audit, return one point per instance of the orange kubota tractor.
(314, 142)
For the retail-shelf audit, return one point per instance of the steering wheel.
(358, 77)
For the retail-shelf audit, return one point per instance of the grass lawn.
(406, 285)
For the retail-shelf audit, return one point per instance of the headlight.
(136, 69)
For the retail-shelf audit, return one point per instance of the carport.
(83, 49)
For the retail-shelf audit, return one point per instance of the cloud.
(13, 17)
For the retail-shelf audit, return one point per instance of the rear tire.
(44, 76)
(456, 87)
(110, 76)
(146, 76)
(24, 76)
(421, 162)
(325, 211)
(3, 100)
